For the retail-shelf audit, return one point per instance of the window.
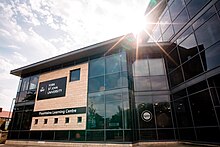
(75, 75)
(79, 119)
(45, 121)
(67, 120)
(55, 120)
(36, 121)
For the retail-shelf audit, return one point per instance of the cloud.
(34, 30)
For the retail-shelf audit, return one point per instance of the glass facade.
(150, 95)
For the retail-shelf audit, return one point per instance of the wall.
(76, 96)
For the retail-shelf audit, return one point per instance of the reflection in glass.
(114, 115)
(165, 21)
(176, 7)
(140, 68)
(113, 81)
(96, 67)
(176, 77)
(163, 111)
(204, 17)
(156, 66)
(180, 21)
(96, 84)
(114, 135)
(209, 32)
(95, 136)
(25, 84)
(192, 67)
(159, 83)
(211, 57)
(168, 33)
(113, 64)
(142, 83)
(201, 116)
(174, 55)
(95, 116)
(188, 48)
(33, 82)
(183, 114)
(194, 6)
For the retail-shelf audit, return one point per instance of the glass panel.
(208, 33)
(159, 83)
(22, 96)
(187, 134)
(25, 84)
(156, 67)
(202, 117)
(168, 33)
(26, 120)
(142, 83)
(35, 135)
(124, 79)
(176, 8)
(145, 104)
(184, 35)
(176, 77)
(75, 75)
(188, 48)
(197, 87)
(61, 135)
(47, 135)
(208, 134)
(96, 84)
(165, 21)
(19, 85)
(113, 64)
(95, 116)
(99, 98)
(113, 97)
(179, 94)
(183, 114)
(141, 68)
(114, 115)
(163, 111)
(127, 115)
(156, 33)
(192, 68)
(31, 95)
(210, 57)
(95, 136)
(24, 135)
(165, 134)
(114, 136)
(123, 61)
(194, 6)
(204, 17)
(148, 135)
(33, 82)
(113, 81)
(77, 135)
(180, 21)
(174, 61)
(96, 67)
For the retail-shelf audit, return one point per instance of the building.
(167, 89)
(5, 117)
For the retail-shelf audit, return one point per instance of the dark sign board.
(66, 111)
(52, 89)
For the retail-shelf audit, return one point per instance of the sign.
(146, 115)
(66, 111)
(52, 89)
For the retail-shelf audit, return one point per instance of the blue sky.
(33, 30)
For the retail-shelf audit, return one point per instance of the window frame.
(74, 70)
